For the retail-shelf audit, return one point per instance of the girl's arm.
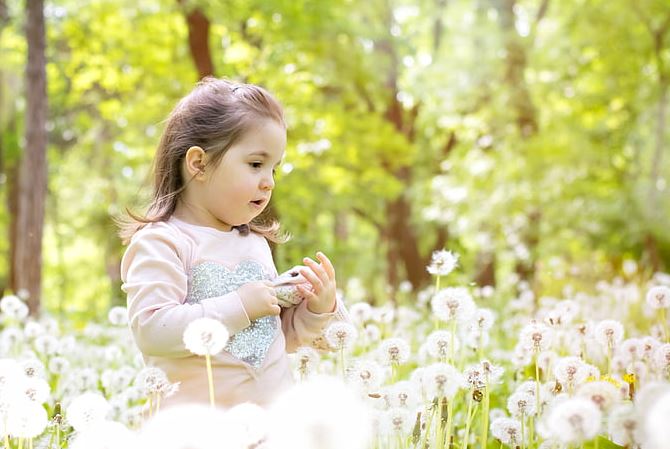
(155, 281)
(304, 328)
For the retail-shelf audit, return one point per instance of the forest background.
(529, 136)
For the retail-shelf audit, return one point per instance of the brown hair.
(213, 116)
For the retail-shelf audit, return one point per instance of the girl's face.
(239, 188)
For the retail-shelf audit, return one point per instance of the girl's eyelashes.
(256, 164)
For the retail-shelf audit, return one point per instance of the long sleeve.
(304, 328)
(156, 284)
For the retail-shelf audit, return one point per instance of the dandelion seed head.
(658, 297)
(570, 371)
(396, 421)
(87, 409)
(308, 359)
(661, 358)
(453, 303)
(366, 375)
(622, 424)
(340, 335)
(601, 393)
(104, 435)
(360, 312)
(507, 430)
(439, 344)
(536, 337)
(205, 336)
(574, 420)
(521, 404)
(27, 419)
(246, 426)
(151, 380)
(404, 394)
(442, 263)
(609, 333)
(118, 316)
(442, 380)
(394, 351)
(13, 307)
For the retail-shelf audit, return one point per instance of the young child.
(201, 251)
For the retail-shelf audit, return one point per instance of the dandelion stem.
(20, 443)
(428, 425)
(437, 288)
(485, 418)
(664, 326)
(523, 431)
(209, 379)
(537, 385)
(468, 419)
(450, 416)
(451, 346)
(342, 361)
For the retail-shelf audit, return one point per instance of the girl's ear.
(195, 162)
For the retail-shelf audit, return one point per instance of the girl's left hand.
(322, 278)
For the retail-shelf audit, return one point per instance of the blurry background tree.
(527, 135)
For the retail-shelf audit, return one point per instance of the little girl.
(201, 251)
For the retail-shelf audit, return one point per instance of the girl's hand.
(322, 278)
(259, 299)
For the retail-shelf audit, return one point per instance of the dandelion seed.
(483, 319)
(655, 423)
(32, 367)
(104, 435)
(601, 393)
(151, 379)
(397, 421)
(536, 337)
(360, 312)
(308, 359)
(507, 430)
(35, 389)
(27, 419)
(658, 297)
(394, 351)
(46, 344)
(609, 333)
(340, 335)
(631, 349)
(491, 373)
(574, 420)
(443, 380)
(58, 365)
(521, 404)
(13, 307)
(86, 410)
(442, 263)
(33, 329)
(439, 344)
(570, 371)
(205, 336)
(622, 425)
(246, 426)
(453, 303)
(662, 358)
(316, 426)
(404, 394)
(118, 316)
(366, 375)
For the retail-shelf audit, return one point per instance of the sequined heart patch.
(211, 279)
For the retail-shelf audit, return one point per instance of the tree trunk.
(27, 265)
(198, 41)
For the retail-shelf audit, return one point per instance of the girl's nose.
(268, 183)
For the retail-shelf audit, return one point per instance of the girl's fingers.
(309, 294)
(326, 264)
(317, 269)
(313, 279)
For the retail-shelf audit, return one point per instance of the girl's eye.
(256, 164)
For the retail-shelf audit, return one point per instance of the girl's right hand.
(259, 299)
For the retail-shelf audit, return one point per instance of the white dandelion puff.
(622, 424)
(507, 430)
(397, 421)
(658, 297)
(570, 371)
(661, 358)
(27, 419)
(439, 344)
(86, 410)
(442, 263)
(366, 375)
(443, 380)
(151, 380)
(308, 359)
(205, 336)
(609, 333)
(655, 424)
(536, 337)
(360, 312)
(13, 307)
(394, 351)
(340, 335)
(166, 429)
(315, 425)
(521, 404)
(246, 426)
(118, 316)
(404, 394)
(104, 435)
(574, 420)
(453, 303)
(601, 393)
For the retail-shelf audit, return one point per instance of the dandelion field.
(580, 371)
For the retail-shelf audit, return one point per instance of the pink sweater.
(175, 272)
